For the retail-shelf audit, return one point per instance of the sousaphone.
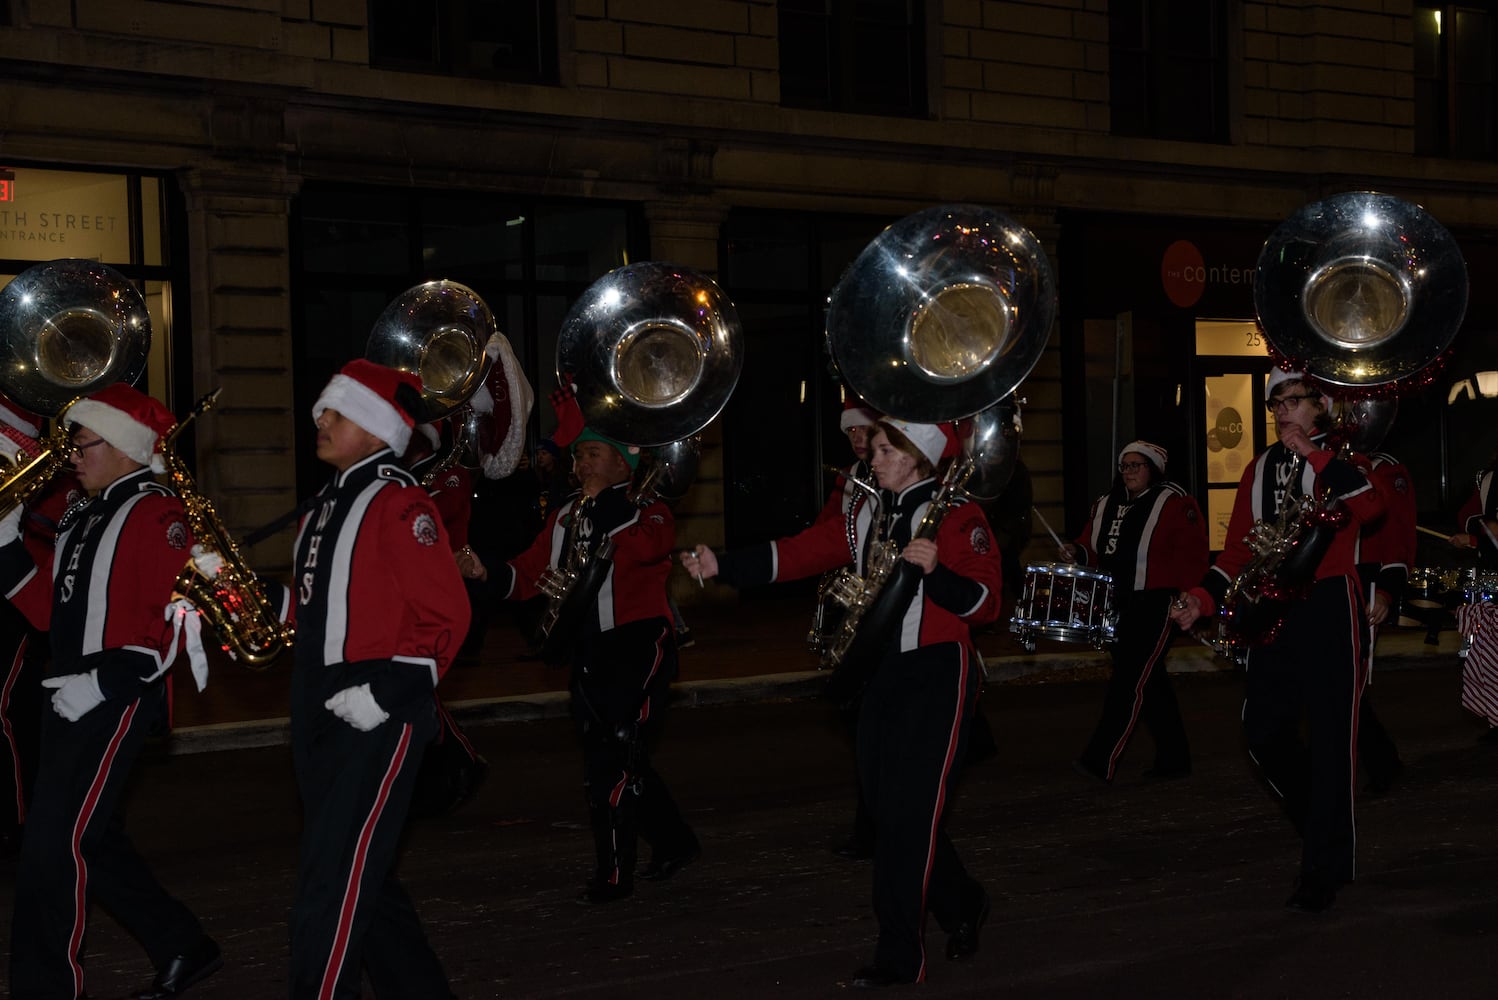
(940, 318)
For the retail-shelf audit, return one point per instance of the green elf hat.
(630, 452)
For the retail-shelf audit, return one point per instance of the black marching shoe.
(660, 869)
(605, 892)
(1311, 896)
(963, 941)
(181, 971)
(875, 977)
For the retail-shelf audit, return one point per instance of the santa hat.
(128, 419)
(856, 413)
(931, 440)
(506, 382)
(366, 393)
(25, 421)
(1153, 452)
(1278, 375)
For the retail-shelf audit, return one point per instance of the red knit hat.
(365, 393)
(128, 419)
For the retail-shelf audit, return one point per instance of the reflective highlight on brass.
(437, 332)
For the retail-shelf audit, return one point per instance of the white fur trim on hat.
(930, 439)
(857, 416)
(431, 433)
(18, 419)
(521, 398)
(1153, 452)
(367, 408)
(120, 429)
(1278, 375)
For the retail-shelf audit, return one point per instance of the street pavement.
(1135, 890)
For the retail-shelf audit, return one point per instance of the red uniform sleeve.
(965, 545)
(435, 602)
(526, 568)
(1181, 544)
(453, 495)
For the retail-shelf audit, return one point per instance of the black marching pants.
(22, 662)
(912, 733)
(1139, 689)
(351, 915)
(1312, 672)
(620, 684)
(75, 852)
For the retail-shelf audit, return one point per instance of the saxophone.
(232, 600)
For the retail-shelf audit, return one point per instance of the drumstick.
(1431, 531)
(1059, 544)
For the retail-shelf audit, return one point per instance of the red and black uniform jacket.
(103, 592)
(635, 588)
(961, 592)
(379, 599)
(1157, 540)
(1387, 548)
(1266, 487)
(452, 492)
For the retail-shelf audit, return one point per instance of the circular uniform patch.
(425, 529)
(452, 482)
(978, 539)
(176, 535)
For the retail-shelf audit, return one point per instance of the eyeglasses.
(1131, 466)
(1286, 403)
(79, 449)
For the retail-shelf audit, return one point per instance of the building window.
(1456, 62)
(866, 56)
(1168, 69)
(515, 40)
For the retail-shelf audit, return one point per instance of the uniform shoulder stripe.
(1173, 488)
(397, 474)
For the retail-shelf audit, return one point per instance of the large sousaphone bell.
(940, 318)
(68, 328)
(445, 334)
(1362, 291)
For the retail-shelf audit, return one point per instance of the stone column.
(238, 245)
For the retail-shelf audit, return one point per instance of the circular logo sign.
(1229, 429)
(1183, 273)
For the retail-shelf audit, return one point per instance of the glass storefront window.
(1230, 444)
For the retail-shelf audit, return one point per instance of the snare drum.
(1426, 588)
(1064, 602)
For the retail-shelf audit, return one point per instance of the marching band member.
(24, 649)
(1148, 535)
(1313, 666)
(1479, 520)
(380, 612)
(622, 664)
(104, 598)
(916, 711)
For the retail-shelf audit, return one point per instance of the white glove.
(10, 524)
(11, 451)
(76, 694)
(357, 707)
(206, 561)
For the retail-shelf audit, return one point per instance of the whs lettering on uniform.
(324, 515)
(1282, 471)
(71, 576)
(1116, 528)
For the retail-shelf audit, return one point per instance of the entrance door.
(1232, 365)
